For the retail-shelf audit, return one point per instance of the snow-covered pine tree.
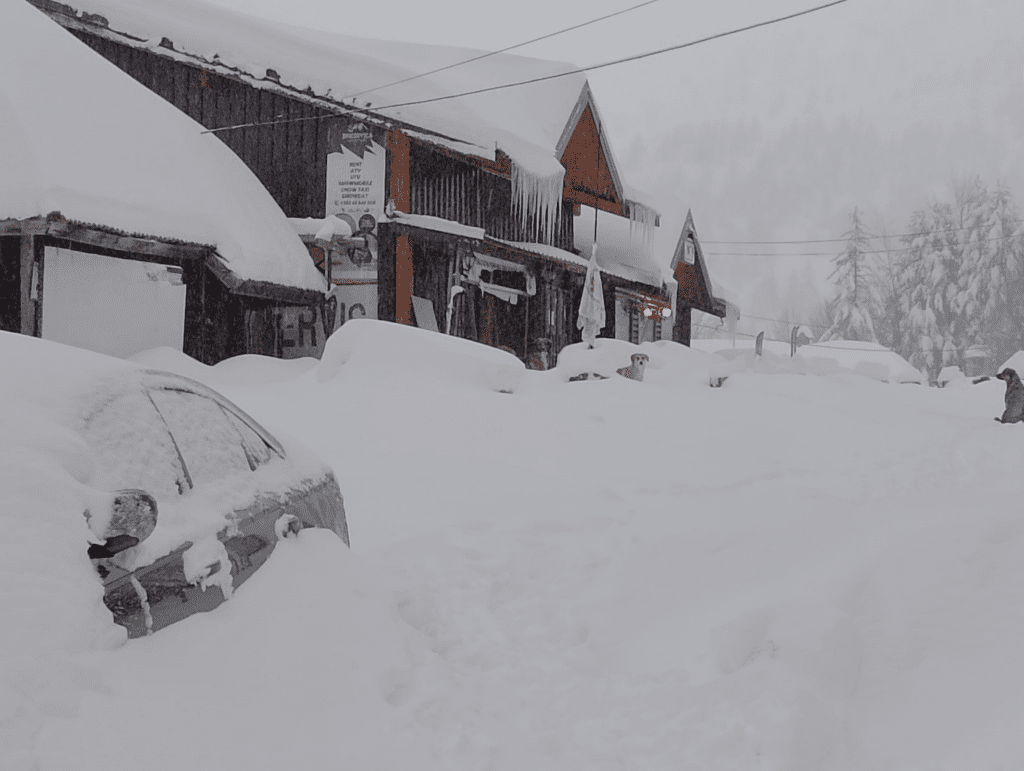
(940, 266)
(929, 273)
(994, 281)
(890, 294)
(852, 319)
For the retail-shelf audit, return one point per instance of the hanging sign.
(355, 193)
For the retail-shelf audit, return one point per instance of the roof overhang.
(140, 246)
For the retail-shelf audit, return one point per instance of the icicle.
(642, 218)
(537, 201)
(140, 590)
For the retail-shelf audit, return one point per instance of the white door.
(110, 305)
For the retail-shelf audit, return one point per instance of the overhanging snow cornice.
(94, 24)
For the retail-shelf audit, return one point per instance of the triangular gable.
(684, 274)
(590, 170)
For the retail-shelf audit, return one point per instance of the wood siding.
(10, 283)
(692, 290)
(588, 178)
(443, 186)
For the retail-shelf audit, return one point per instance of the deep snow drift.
(787, 572)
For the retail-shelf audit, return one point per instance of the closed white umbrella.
(591, 316)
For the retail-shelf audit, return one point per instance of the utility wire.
(501, 50)
(843, 240)
(554, 76)
(834, 254)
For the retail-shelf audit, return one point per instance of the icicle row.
(538, 203)
(642, 217)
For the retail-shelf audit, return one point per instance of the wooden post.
(31, 286)
(403, 280)
(398, 146)
(681, 329)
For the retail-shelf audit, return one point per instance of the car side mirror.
(130, 521)
(112, 546)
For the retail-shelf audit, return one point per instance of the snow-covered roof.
(527, 123)
(622, 247)
(437, 224)
(571, 258)
(80, 137)
(1015, 362)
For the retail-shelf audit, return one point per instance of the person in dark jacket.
(1014, 398)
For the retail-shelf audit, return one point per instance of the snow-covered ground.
(787, 572)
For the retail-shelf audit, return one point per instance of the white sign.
(355, 193)
(355, 178)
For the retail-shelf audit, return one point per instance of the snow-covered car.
(183, 494)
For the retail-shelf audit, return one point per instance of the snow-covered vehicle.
(184, 495)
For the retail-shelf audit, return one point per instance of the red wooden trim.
(585, 198)
(398, 146)
(588, 175)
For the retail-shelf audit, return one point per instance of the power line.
(501, 50)
(864, 251)
(784, 321)
(554, 76)
(844, 240)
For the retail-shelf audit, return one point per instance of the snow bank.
(129, 160)
(251, 369)
(369, 348)
(669, 363)
(315, 619)
(51, 602)
(807, 573)
(951, 376)
(833, 358)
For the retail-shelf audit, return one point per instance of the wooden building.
(693, 284)
(124, 228)
(459, 212)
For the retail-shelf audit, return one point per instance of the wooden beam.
(403, 279)
(399, 178)
(104, 239)
(28, 272)
(398, 147)
(585, 198)
(386, 289)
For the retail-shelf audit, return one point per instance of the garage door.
(110, 305)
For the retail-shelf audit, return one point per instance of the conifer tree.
(852, 318)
